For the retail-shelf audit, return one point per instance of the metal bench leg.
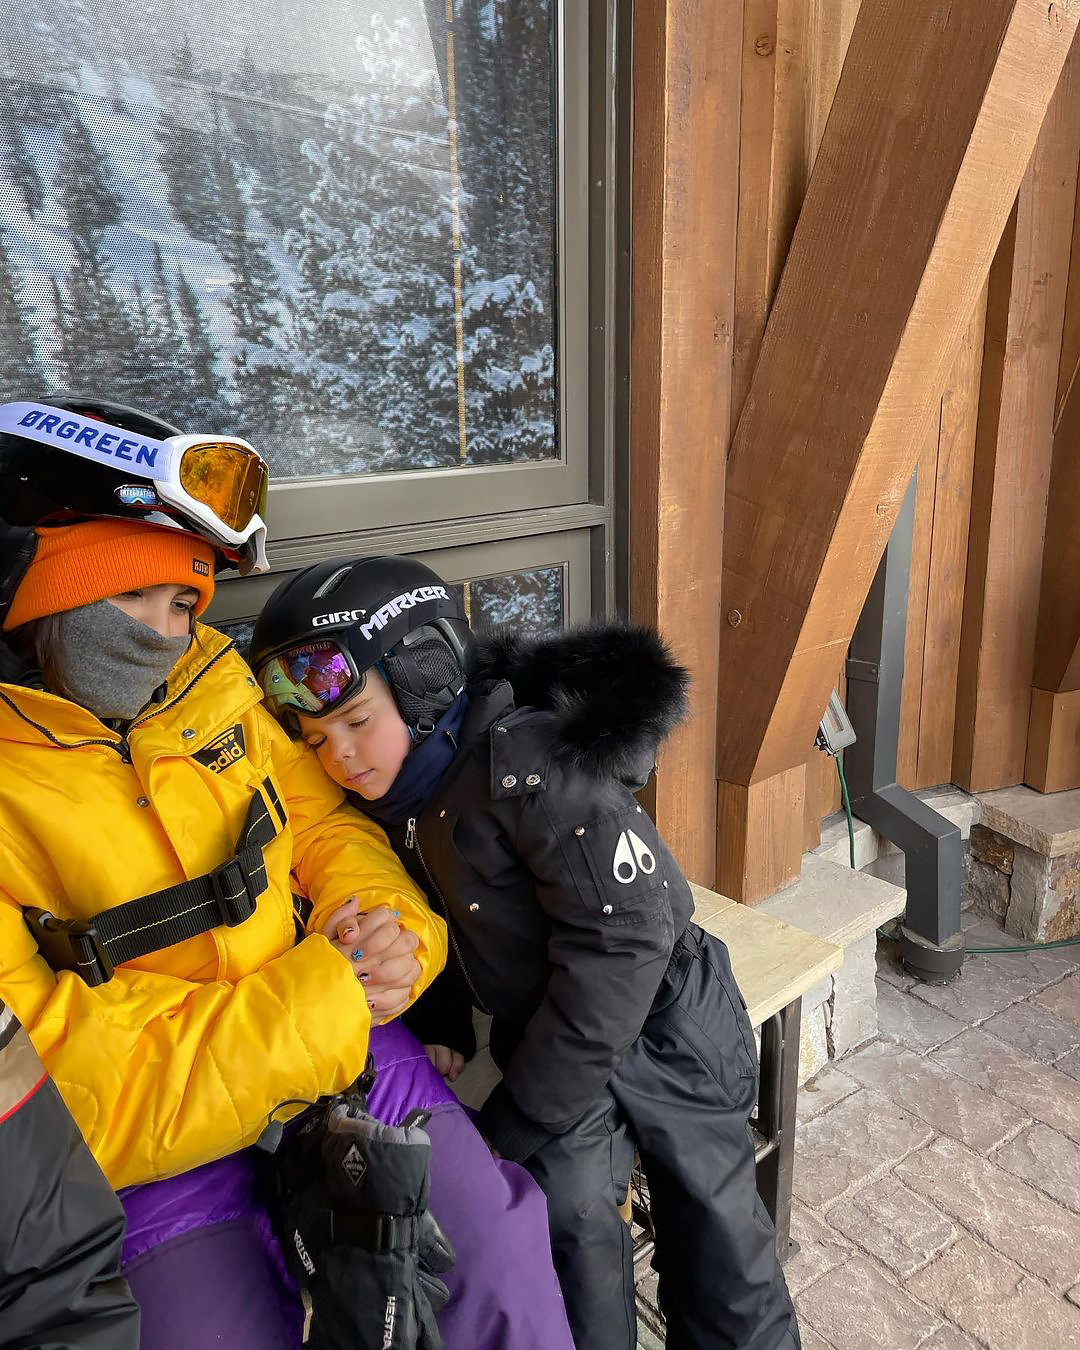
(776, 1119)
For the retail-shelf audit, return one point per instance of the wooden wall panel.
(1014, 446)
(686, 75)
(829, 27)
(772, 169)
(829, 24)
(853, 360)
(948, 557)
(911, 701)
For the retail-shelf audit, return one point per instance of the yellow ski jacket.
(181, 1056)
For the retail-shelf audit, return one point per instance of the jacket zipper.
(164, 707)
(122, 746)
(412, 843)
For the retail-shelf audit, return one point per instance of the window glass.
(326, 226)
(533, 602)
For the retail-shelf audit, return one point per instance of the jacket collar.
(33, 716)
(612, 693)
(489, 700)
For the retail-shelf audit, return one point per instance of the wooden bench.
(775, 964)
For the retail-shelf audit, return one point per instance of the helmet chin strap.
(425, 725)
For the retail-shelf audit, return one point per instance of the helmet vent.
(333, 581)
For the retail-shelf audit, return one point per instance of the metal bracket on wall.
(931, 944)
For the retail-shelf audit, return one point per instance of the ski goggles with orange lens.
(216, 484)
(227, 477)
(312, 679)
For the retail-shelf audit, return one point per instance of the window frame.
(240, 601)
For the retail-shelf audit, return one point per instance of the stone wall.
(1035, 896)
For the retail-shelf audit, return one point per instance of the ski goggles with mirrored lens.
(217, 484)
(312, 679)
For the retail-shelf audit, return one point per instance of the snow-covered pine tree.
(168, 360)
(60, 349)
(141, 373)
(19, 372)
(262, 369)
(374, 254)
(100, 337)
(267, 139)
(506, 148)
(186, 151)
(16, 162)
(203, 402)
(183, 65)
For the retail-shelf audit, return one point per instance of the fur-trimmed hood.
(615, 692)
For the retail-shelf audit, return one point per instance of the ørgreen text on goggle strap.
(221, 480)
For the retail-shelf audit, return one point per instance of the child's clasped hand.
(380, 952)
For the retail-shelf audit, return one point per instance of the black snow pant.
(682, 1097)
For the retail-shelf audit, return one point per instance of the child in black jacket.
(504, 772)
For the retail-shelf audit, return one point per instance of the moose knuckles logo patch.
(632, 855)
(223, 753)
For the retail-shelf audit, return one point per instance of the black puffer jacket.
(564, 903)
(60, 1223)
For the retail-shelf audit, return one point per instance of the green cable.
(968, 951)
(847, 808)
(1027, 947)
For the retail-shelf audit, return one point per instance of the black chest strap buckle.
(94, 947)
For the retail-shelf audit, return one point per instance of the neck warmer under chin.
(110, 663)
(419, 776)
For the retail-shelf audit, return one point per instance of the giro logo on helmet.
(382, 616)
(338, 616)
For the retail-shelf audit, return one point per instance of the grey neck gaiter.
(110, 663)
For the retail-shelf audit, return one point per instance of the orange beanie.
(77, 564)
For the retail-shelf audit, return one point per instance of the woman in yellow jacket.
(138, 759)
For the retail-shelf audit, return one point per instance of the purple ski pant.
(205, 1267)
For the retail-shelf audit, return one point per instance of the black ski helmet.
(391, 612)
(46, 478)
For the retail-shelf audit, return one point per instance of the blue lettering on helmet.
(97, 440)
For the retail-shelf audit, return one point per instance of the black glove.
(352, 1216)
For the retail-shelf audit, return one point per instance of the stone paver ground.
(937, 1172)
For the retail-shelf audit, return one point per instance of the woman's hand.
(380, 951)
(448, 1062)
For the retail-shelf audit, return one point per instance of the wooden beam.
(772, 169)
(1057, 647)
(934, 119)
(759, 831)
(1013, 453)
(922, 538)
(829, 26)
(1057, 643)
(684, 212)
(948, 556)
(1053, 753)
